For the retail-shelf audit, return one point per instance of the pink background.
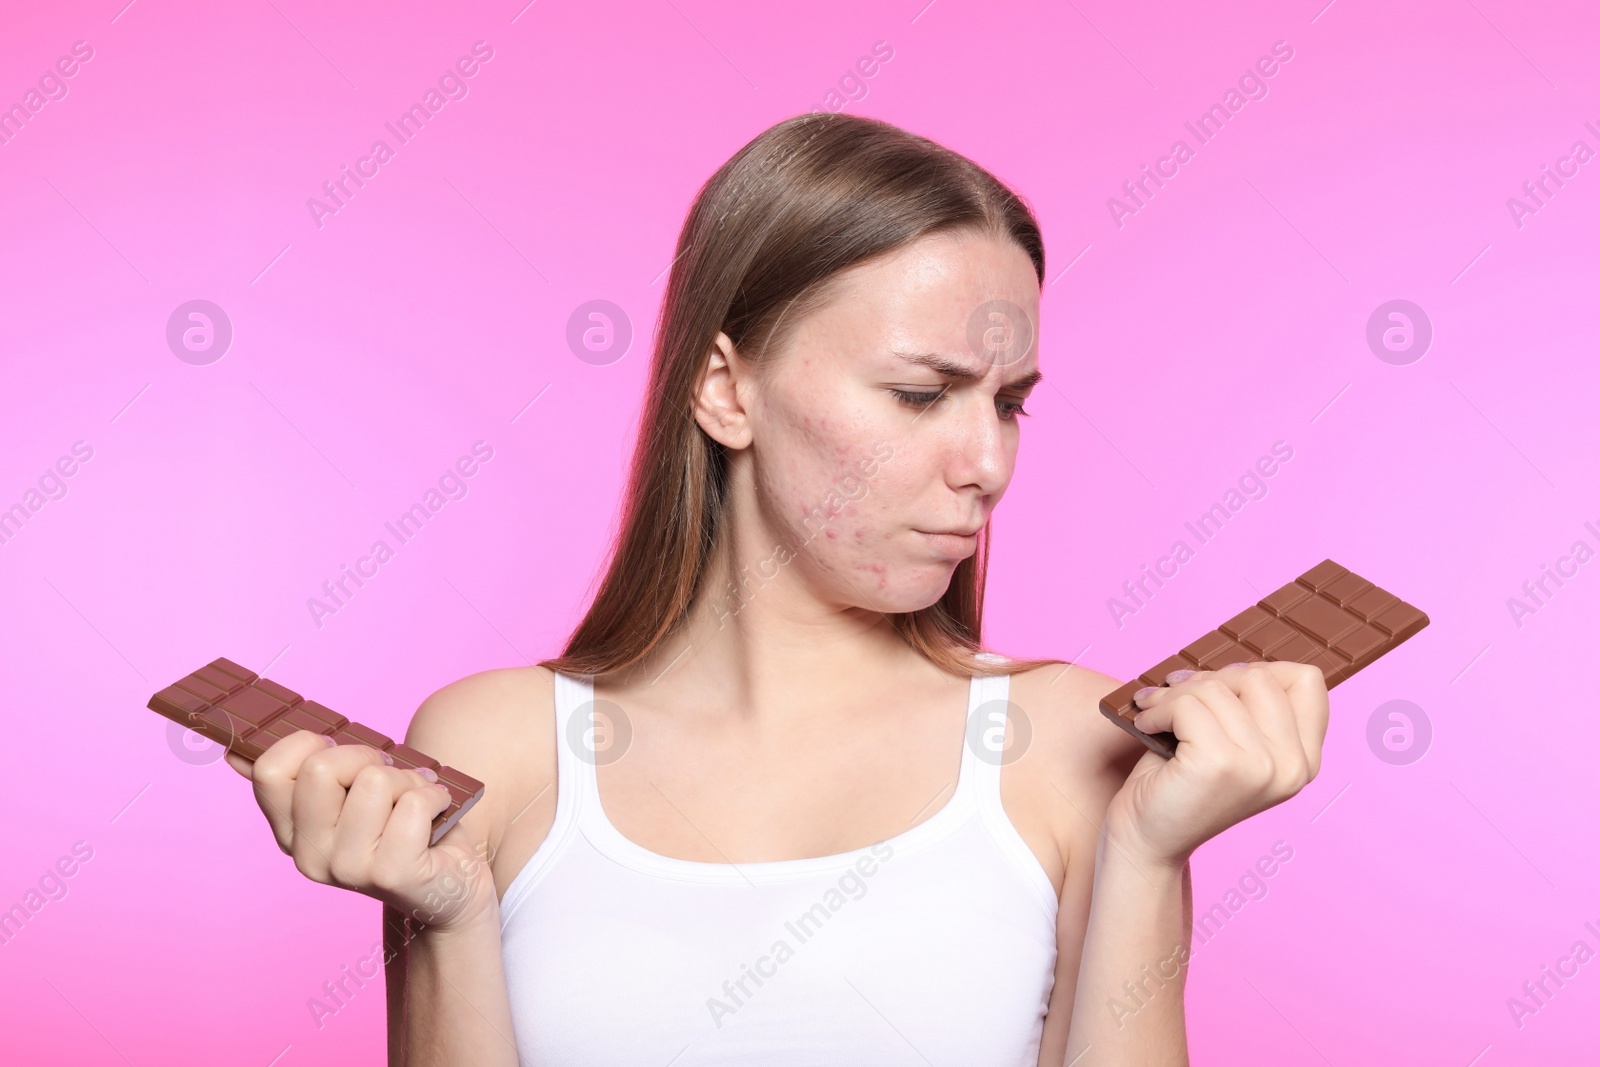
(368, 354)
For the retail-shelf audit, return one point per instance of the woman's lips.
(956, 546)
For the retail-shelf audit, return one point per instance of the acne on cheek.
(814, 432)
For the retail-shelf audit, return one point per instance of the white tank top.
(937, 945)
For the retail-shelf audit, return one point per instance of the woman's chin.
(911, 587)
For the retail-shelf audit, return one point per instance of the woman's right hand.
(352, 820)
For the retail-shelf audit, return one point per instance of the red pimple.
(833, 535)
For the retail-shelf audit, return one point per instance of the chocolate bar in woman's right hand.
(246, 714)
(1329, 617)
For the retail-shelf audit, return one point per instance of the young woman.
(773, 805)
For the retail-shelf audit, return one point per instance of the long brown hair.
(766, 236)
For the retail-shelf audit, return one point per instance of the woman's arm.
(1250, 737)
(1128, 1006)
(1085, 761)
(446, 986)
(447, 996)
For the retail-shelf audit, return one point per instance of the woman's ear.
(721, 394)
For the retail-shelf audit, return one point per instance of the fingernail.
(331, 743)
(1146, 691)
(387, 759)
(1241, 663)
(1178, 676)
(429, 773)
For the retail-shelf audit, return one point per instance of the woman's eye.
(1013, 408)
(1009, 409)
(917, 400)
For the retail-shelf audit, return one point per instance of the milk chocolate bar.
(1329, 617)
(246, 714)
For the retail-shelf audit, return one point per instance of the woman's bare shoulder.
(1076, 758)
(498, 726)
(1062, 701)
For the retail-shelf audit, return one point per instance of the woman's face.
(888, 426)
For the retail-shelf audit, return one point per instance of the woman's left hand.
(1249, 737)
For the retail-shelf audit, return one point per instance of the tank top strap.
(990, 744)
(593, 732)
(574, 783)
(576, 790)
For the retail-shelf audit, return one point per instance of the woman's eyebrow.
(952, 368)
